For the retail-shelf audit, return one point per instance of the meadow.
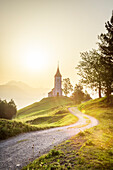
(48, 113)
(91, 149)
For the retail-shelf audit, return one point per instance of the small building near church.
(57, 90)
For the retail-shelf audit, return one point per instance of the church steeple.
(57, 90)
(58, 72)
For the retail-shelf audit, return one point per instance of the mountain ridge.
(22, 93)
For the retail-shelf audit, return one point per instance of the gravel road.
(18, 151)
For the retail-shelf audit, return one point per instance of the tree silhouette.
(106, 48)
(78, 95)
(7, 110)
(91, 70)
(96, 67)
(67, 86)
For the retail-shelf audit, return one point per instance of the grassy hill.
(48, 113)
(92, 149)
(45, 104)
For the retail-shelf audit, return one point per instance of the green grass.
(91, 149)
(58, 117)
(46, 104)
(10, 128)
(48, 113)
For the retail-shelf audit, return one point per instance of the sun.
(35, 59)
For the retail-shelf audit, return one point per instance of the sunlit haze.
(36, 34)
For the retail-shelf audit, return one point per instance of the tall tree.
(106, 48)
(67, 86)
(91, 70)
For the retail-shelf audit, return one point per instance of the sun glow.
(35, 59)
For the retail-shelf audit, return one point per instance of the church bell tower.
(58, 83)
(57, 90)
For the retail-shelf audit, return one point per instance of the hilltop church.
(57, 90)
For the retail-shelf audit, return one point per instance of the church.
(57, 90)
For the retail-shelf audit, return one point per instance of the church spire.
(58, 65)
(58, 72)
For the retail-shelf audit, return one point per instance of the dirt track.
(18, 151)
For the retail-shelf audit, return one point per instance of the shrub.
(7, 110)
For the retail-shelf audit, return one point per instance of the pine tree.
(106, 44)
(106, 49)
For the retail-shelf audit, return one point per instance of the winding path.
(18, 151)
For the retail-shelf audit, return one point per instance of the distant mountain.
(18, 84)
(22, 93)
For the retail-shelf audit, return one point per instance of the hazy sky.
(35, 34)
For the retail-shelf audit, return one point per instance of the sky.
(36, 34)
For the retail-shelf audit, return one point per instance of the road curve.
(18, 151)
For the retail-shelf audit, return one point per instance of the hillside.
(92, 149)
(44, 104)
(49, 112)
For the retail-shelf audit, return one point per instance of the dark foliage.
(96, 67)
(78, 95)
(7, 109)
(92, 70)
(106, 49)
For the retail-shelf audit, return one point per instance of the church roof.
(58, 73)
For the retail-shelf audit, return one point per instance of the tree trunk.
(108, 93)
(100, 90)
(100, 93)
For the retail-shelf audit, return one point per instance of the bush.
(7, 110)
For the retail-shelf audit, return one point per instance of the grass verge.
(91, 149)
(48, 113)
(9, 128)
